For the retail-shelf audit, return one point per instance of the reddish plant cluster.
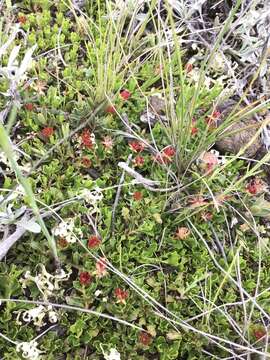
(62, 242)
(86, 162)
(137, 196)
(166, 155)
(259, 333)
(209, 161)
(86, 139)
(107, 143)
(145, 338)
(121, 295)
(211, 120)
(29, 106)
(169, 152)
(207, 216)
(197, 201)
(85, 278)
(216, 114)
(256, 186)
(221, 198)
(93, 241)
(101, 267)
(138, 161)
(194, 130)
(136, 146)
(188, 67)
(110, 109)
(47, 132)
(22, 19)
(125, 94)
(182, 233)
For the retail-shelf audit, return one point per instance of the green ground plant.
(130, 239)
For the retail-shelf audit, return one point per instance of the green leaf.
(125, 213)
(261, 208)
(173, 259)
(77, 328)
(157, 217)
(173, 335)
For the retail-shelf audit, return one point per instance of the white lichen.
(92, 198)
(113, 355)
(37, 316)
(66, 229)
(47, 283)
(29, 350)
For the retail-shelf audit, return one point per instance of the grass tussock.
(134, 204)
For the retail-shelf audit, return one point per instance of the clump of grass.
(157, 236)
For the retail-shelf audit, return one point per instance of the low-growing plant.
(162, 241)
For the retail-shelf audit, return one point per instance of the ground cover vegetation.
(134, 201)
